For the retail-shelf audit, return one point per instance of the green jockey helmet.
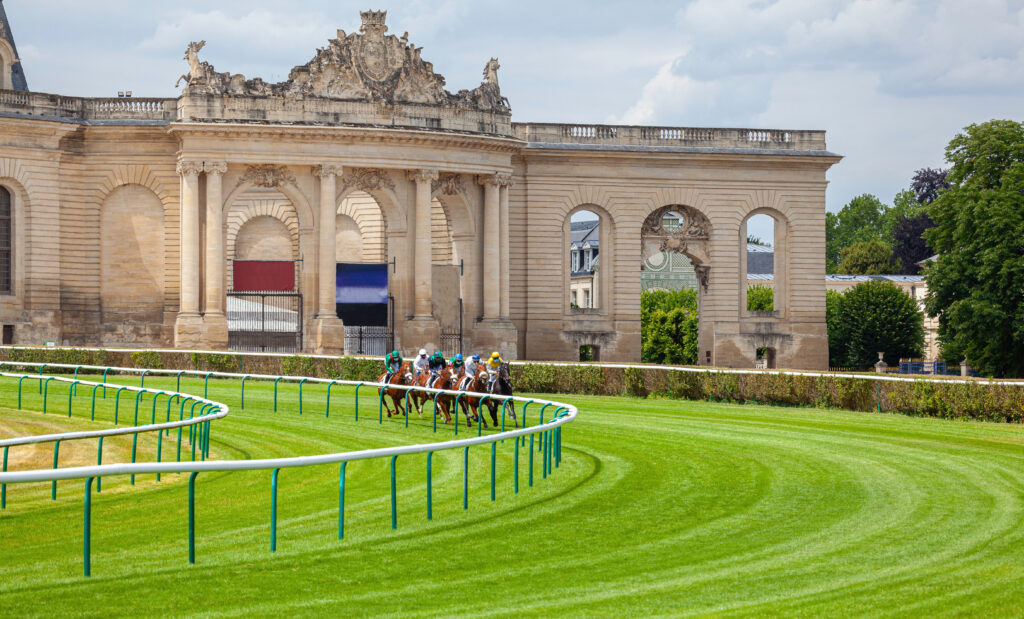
(438, 355)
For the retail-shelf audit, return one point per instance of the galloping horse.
(475, 384)
(446, 380)
(419, 397)
(401, 377)
(502, 386)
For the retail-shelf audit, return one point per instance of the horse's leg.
(493, 407)
(512, 413)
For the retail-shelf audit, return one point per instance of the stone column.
(423, 254)
(492, 247)
(189, 324)
(214, 320)
(329, 333)
(506, 182)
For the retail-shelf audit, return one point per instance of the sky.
(890, 81)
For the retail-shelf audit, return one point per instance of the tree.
(760, 298)
(927, 183)
(867, 258)
(756, 240)
(668, 326)
(908, 243)
(858, 221)
(836, 336)
(975, 285)
(874, 317)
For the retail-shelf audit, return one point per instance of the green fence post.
(159, 450)
(99, 462)
(357, 399)
(177, 383)
(46, 389)
(152, 416)
(192, 518)
(515, 475)
(879, 398)
(87, 528)
(380, 408)
(53, 485)
(273, 510)
(3, 487)
(74, 386)
(435, 410)
(494, 451)
(327, 409)
(71, 392)
(206, 385)
(170, 399)
(465, 477)
(41, 368)
(455, 414)
(394, 496)
(531, 461)
(300, 393)
(430, 506)
(105, 370)
(135, 443)
(407, 407)
(19, 390)
(480, 415)
(276, 380)
(117, 402)
(243, 391)
(341, 501)
(92, 414)
(142, 379)
(138, 398)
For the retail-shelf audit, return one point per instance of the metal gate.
(372, 340)
(265, 321)
(451, 336)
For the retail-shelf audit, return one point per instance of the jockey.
(392, 364)
(473, 366)
(421, 362)
(456, 363)
(492, 366)
(435, 365)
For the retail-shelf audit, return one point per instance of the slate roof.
(17, 73)
(581, 232)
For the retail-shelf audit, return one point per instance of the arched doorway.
(364, 301)
(675, 275)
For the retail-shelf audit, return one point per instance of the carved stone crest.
(366, 179)
(267, 176)
(447, 185)
(679, 229)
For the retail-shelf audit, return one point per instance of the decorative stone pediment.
(366, 66)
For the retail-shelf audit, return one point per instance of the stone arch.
(14, 179)
(256, 203)
(780, 245)
(606, 272)
(300, 205)
(359, 217)
(387, 201)
(264, 238)
(692, 237)
(143, 175)
(132, 275)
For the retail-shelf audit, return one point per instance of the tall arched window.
(6, 238)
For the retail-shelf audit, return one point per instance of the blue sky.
(890, 81)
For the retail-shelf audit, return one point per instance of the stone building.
(240, 207)
(585, 245)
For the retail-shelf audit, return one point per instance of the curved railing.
(550, 439)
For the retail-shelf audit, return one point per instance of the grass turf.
(658, 508)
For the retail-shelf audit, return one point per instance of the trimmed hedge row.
(926, 398)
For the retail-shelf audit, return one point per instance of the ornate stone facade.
(362, 155)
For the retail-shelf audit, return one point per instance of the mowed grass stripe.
(659, 508)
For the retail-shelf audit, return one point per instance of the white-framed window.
(586, 298)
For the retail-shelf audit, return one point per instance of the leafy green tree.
(760, 298)
(668, 326)
(908, 244)
(860, 220)
(836, 335)
(873, 317)
(927, 183)
(975, 285)
(867, 258)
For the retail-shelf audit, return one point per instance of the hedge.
(926, 398)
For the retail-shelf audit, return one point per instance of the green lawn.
(658, 508)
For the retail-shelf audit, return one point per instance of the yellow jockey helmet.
(495, 355)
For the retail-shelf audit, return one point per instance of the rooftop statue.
(366, 66)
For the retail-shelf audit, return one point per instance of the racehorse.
(502, 386)
(420, 397)
(445, 380)
(402, 377)
(474, 384)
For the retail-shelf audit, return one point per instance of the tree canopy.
(668, 326)
(866, 258)
(873, 317)
(976, 285)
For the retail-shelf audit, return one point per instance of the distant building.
(583, 255)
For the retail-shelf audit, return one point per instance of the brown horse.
(419, 397)
(401, 377)
(473, 384)
(444, 401)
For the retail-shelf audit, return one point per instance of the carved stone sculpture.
(366, 179)
(267, 176)
(447, 185)
(366, 66)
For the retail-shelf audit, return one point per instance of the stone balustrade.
(87, 109)
(631, 135)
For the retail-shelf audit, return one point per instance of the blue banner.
(361, 293)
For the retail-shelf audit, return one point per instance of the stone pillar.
(215, 321)
(328, 332)
(492, 247)
(422, 255)
(189, 325)
(423, 330)
(505, 255)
